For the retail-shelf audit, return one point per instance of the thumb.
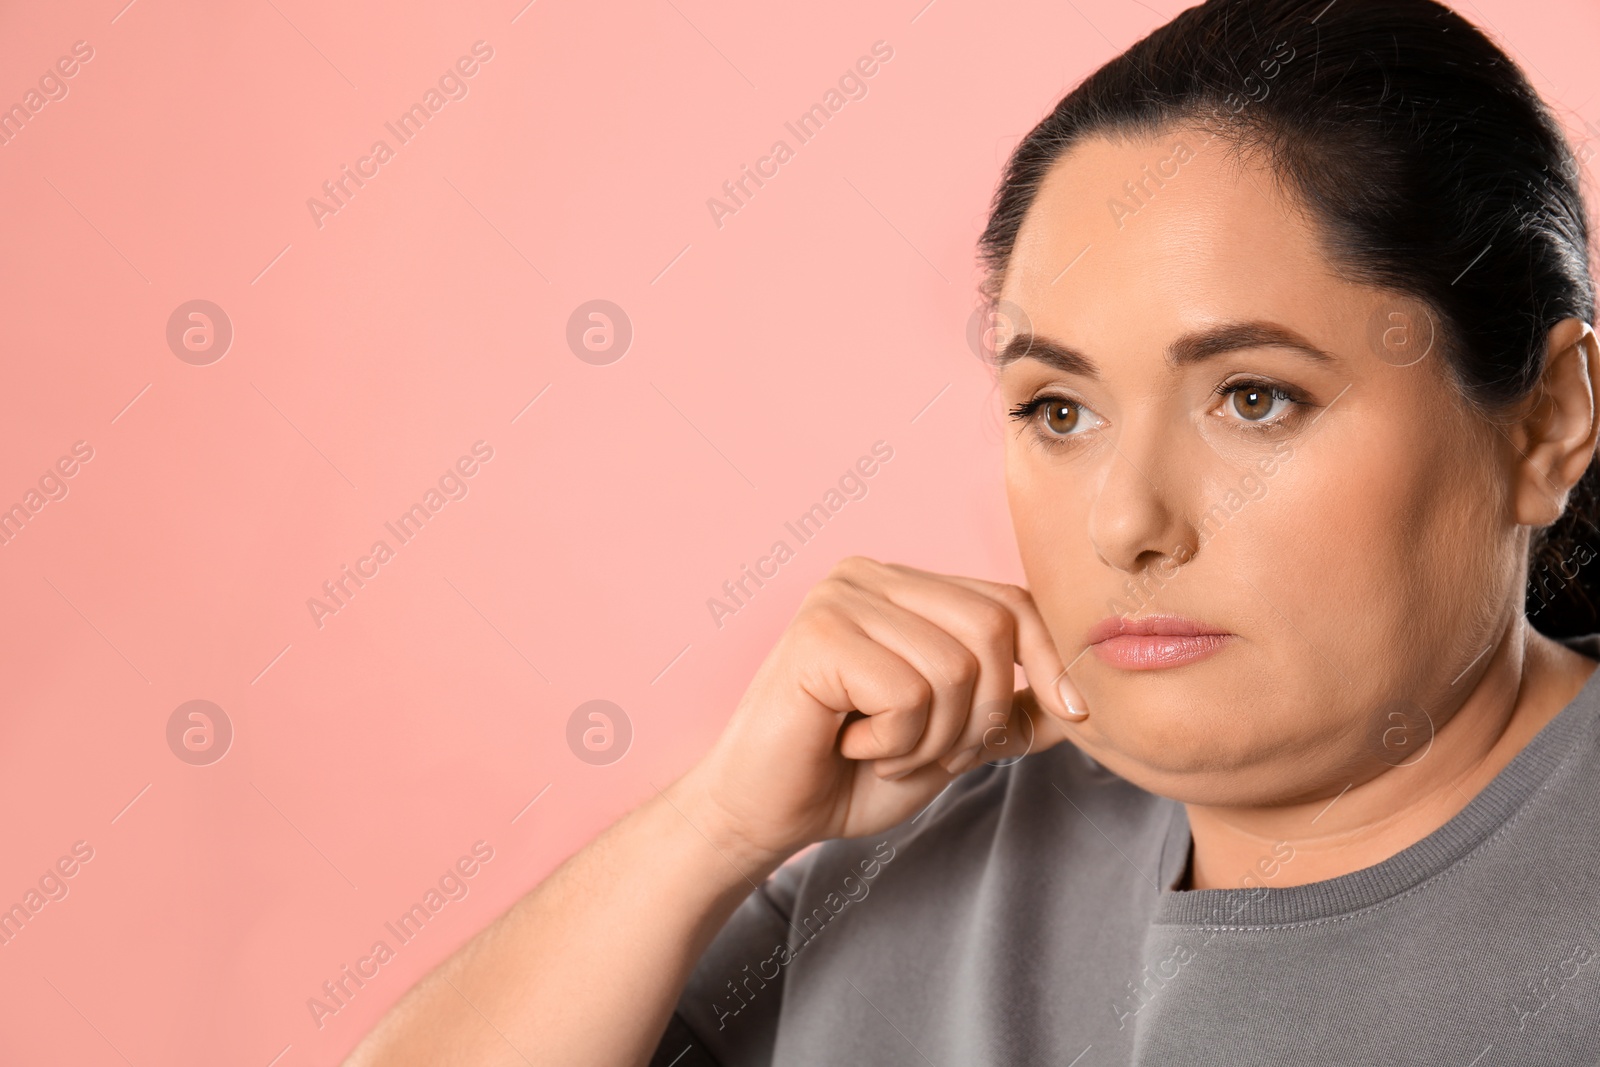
(1030, 728)
(1048, 678)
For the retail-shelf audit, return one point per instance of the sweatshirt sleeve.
(727, 1015)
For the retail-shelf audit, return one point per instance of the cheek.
(1341, 506)
(1048, 507)
(1403, 514)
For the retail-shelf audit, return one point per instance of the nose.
(1138, 516)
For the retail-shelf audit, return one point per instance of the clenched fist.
(888, 683)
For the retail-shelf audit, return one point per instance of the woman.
(1294, 312)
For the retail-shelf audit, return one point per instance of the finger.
(985, 626)
(988, 632)
(1003, 625)
(1028, 728)
(1032, 729)
(1050, 679)
(949, 666)
(859, 673)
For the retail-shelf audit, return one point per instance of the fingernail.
(902, 774)
(1077, 707)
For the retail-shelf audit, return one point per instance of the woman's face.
(1334, 515)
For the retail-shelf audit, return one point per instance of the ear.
(1557, 426)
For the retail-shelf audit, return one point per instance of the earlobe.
(1559, 431)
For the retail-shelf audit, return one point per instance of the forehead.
(1143, 238)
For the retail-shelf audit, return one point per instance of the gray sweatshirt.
(1027, 916)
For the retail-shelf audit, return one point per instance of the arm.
(586, 968)
(862, 713)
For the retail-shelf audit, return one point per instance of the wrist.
(695, 803)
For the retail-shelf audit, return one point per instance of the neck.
(1525, 682)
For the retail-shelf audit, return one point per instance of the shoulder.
(1051, 847)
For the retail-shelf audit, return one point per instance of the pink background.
(369, 354)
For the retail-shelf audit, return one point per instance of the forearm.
(586, 968)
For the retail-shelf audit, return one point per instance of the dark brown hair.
(1430, 164)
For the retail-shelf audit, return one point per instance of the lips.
(1154, 641)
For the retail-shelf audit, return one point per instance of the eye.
(1256, 402)
(1057, 416)
(1062, 418)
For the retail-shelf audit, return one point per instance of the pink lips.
(1153, 641)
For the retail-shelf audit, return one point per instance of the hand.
(889, 682)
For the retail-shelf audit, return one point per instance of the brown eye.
(1061, 417)
(1254, 403)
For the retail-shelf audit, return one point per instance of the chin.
(1168, 739)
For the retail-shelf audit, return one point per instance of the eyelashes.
(1043, 406)
(1256, 390)
(1285, 407)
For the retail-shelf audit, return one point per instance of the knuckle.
(913, 691)
(992, 624)
(831, 592)
(850, 566)
(959, 666)
(818, 623)
(1013, 595)
(897, 570)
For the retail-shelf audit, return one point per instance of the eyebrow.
(1190, 348)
